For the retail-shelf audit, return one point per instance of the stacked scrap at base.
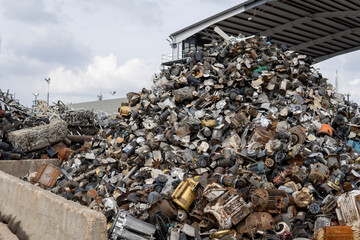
(30, 133)
(244, 141)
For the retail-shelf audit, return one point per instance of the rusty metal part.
(261, 135)
(271, 200)
(64, 154)
(318, 173)
(269, 162)
(348, 210)
(258, 221)
(229, 209)
(280, 178)
(79, 138)
(166, 208)
(303, 198)
(181, 215)
(298, 174)
(156, 164)
(337, 233)
(298, 134)
(47, 175)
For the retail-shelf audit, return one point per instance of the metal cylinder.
(207, 132)
(164, 115)
(217, 135)
(271, 200)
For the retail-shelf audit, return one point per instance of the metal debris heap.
(243, 141)
(27, 133)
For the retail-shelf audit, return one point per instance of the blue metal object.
(355, 145)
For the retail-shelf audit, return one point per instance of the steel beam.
(325, 57)
(309, 18)
(325, 39)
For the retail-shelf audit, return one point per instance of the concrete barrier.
(19, 168)
(34, 213)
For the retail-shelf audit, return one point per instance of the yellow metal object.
(119, 140)
(334, 186)
(220, 234)
(208, 123)
(184, 194)
(124, 110)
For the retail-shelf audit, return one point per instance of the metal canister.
(228, 180)
(217, 135)
(207, 132)
(164, 115)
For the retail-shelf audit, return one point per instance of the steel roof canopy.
(319, 28)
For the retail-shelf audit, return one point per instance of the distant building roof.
(109, 106)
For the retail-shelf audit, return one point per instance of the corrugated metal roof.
(321, 28)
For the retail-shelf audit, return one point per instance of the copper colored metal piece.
(64, 154)
(47, 175)
(157, 164)
(337, 233)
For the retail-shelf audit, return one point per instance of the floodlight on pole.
(48, 92)
(36, 95)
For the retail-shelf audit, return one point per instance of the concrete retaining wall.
(19, 168)
(34, 213)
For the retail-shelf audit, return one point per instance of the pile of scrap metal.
(244, 141)
(31, 133)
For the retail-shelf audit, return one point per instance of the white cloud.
(355, 81)
(104, 74)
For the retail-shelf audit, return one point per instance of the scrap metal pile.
(244, 141)
(28, 133)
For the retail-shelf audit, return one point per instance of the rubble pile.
(244, 141)
(28, 133)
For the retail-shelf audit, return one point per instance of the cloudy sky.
(88, 47)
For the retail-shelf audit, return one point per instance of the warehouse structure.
(321, 29)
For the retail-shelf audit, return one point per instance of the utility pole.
(337, 82)
(48, 92)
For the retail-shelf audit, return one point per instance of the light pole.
(35, 95)
(48, 93)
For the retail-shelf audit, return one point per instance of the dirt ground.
(5, 233)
